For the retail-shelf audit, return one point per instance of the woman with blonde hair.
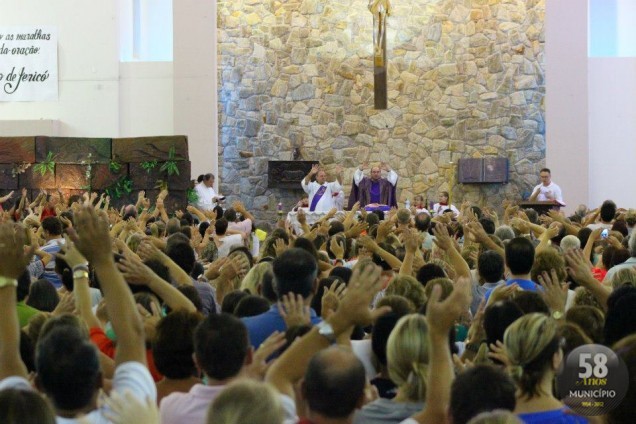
(246, 401)
(254, 277)
(533, 346)
(407, 362)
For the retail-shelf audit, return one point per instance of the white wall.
(566, 60)
(87, 62)
(612, 128)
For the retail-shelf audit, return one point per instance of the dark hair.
(182, 254)
(429, 272)
(193, 295)
(218, 210)
(620, 256)
(519, 255)
(620, 320)
(583, 235)
(468, 397)
(377, 259)
(43, 296)
(545, 170)
(323, 284)
(231, 300)
(608, 211)
(203, 227)
(626, 411)
(334, 383)
(24, 407)
(245, 251)
(343, 273)
(590, 319)
(488, 224)
(380, 334)
(52, 225)
(498, 317)
(422, 221)
(372, 219)
(621, 227)
(24, 282)
(67, 368)
(251, 305)
(221, 345)
(490, 265)
(220, 226)
(306, 244)
(335, 227)
(529, 302)
(173, 345)
(295, 271)
(230, 215)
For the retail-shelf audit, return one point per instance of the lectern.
(541, 208)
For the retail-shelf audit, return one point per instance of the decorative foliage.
(122, 186)
(114, 166)
(170, 166)
(192, 195)
(19, 168)
(48, 165)
(89, 173)
(149, 165)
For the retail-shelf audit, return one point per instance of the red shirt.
(107, 347)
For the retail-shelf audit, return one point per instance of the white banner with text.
(28, 64)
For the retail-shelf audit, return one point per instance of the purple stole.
(317, 198)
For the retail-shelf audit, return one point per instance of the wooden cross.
(380, 10)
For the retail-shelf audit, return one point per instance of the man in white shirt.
(321, 193)
(547, 191)
(208, 198)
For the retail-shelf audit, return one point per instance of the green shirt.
(25, 312)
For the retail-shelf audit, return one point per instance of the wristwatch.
(80, 273)
(6, 281)
(325, 330)
(557, 315)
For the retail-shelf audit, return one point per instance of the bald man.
(374, 189)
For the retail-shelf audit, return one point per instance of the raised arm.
(14, 258)
(353, 309)
(313, 171)
(441, 316)
(456, 260)
(93, 241)
(136, 272)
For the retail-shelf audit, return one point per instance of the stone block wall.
(465, 79)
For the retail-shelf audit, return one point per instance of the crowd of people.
(399, 316)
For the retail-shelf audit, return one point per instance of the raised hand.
(555, 294)
(293, 310)
(331, 298)
(314, 169)
(92, 236)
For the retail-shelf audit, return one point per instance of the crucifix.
(380, 10)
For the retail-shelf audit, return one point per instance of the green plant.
(192, 195)
(48, 165)
(122, 186)
(149, 165)
(170, 166)
(114, 166)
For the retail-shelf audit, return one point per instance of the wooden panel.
(73, 150)
(145, 180)
(7, 180)
(17, 149)
(70, 176)
(141, 149)
(104, 177)
(34, 180)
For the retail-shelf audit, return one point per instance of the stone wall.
(465, 79)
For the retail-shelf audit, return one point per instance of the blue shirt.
(523, 284)
(262, 326)
(556, 416)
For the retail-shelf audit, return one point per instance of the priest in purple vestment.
(374, 189)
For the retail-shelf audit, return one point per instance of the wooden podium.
(541, 208)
